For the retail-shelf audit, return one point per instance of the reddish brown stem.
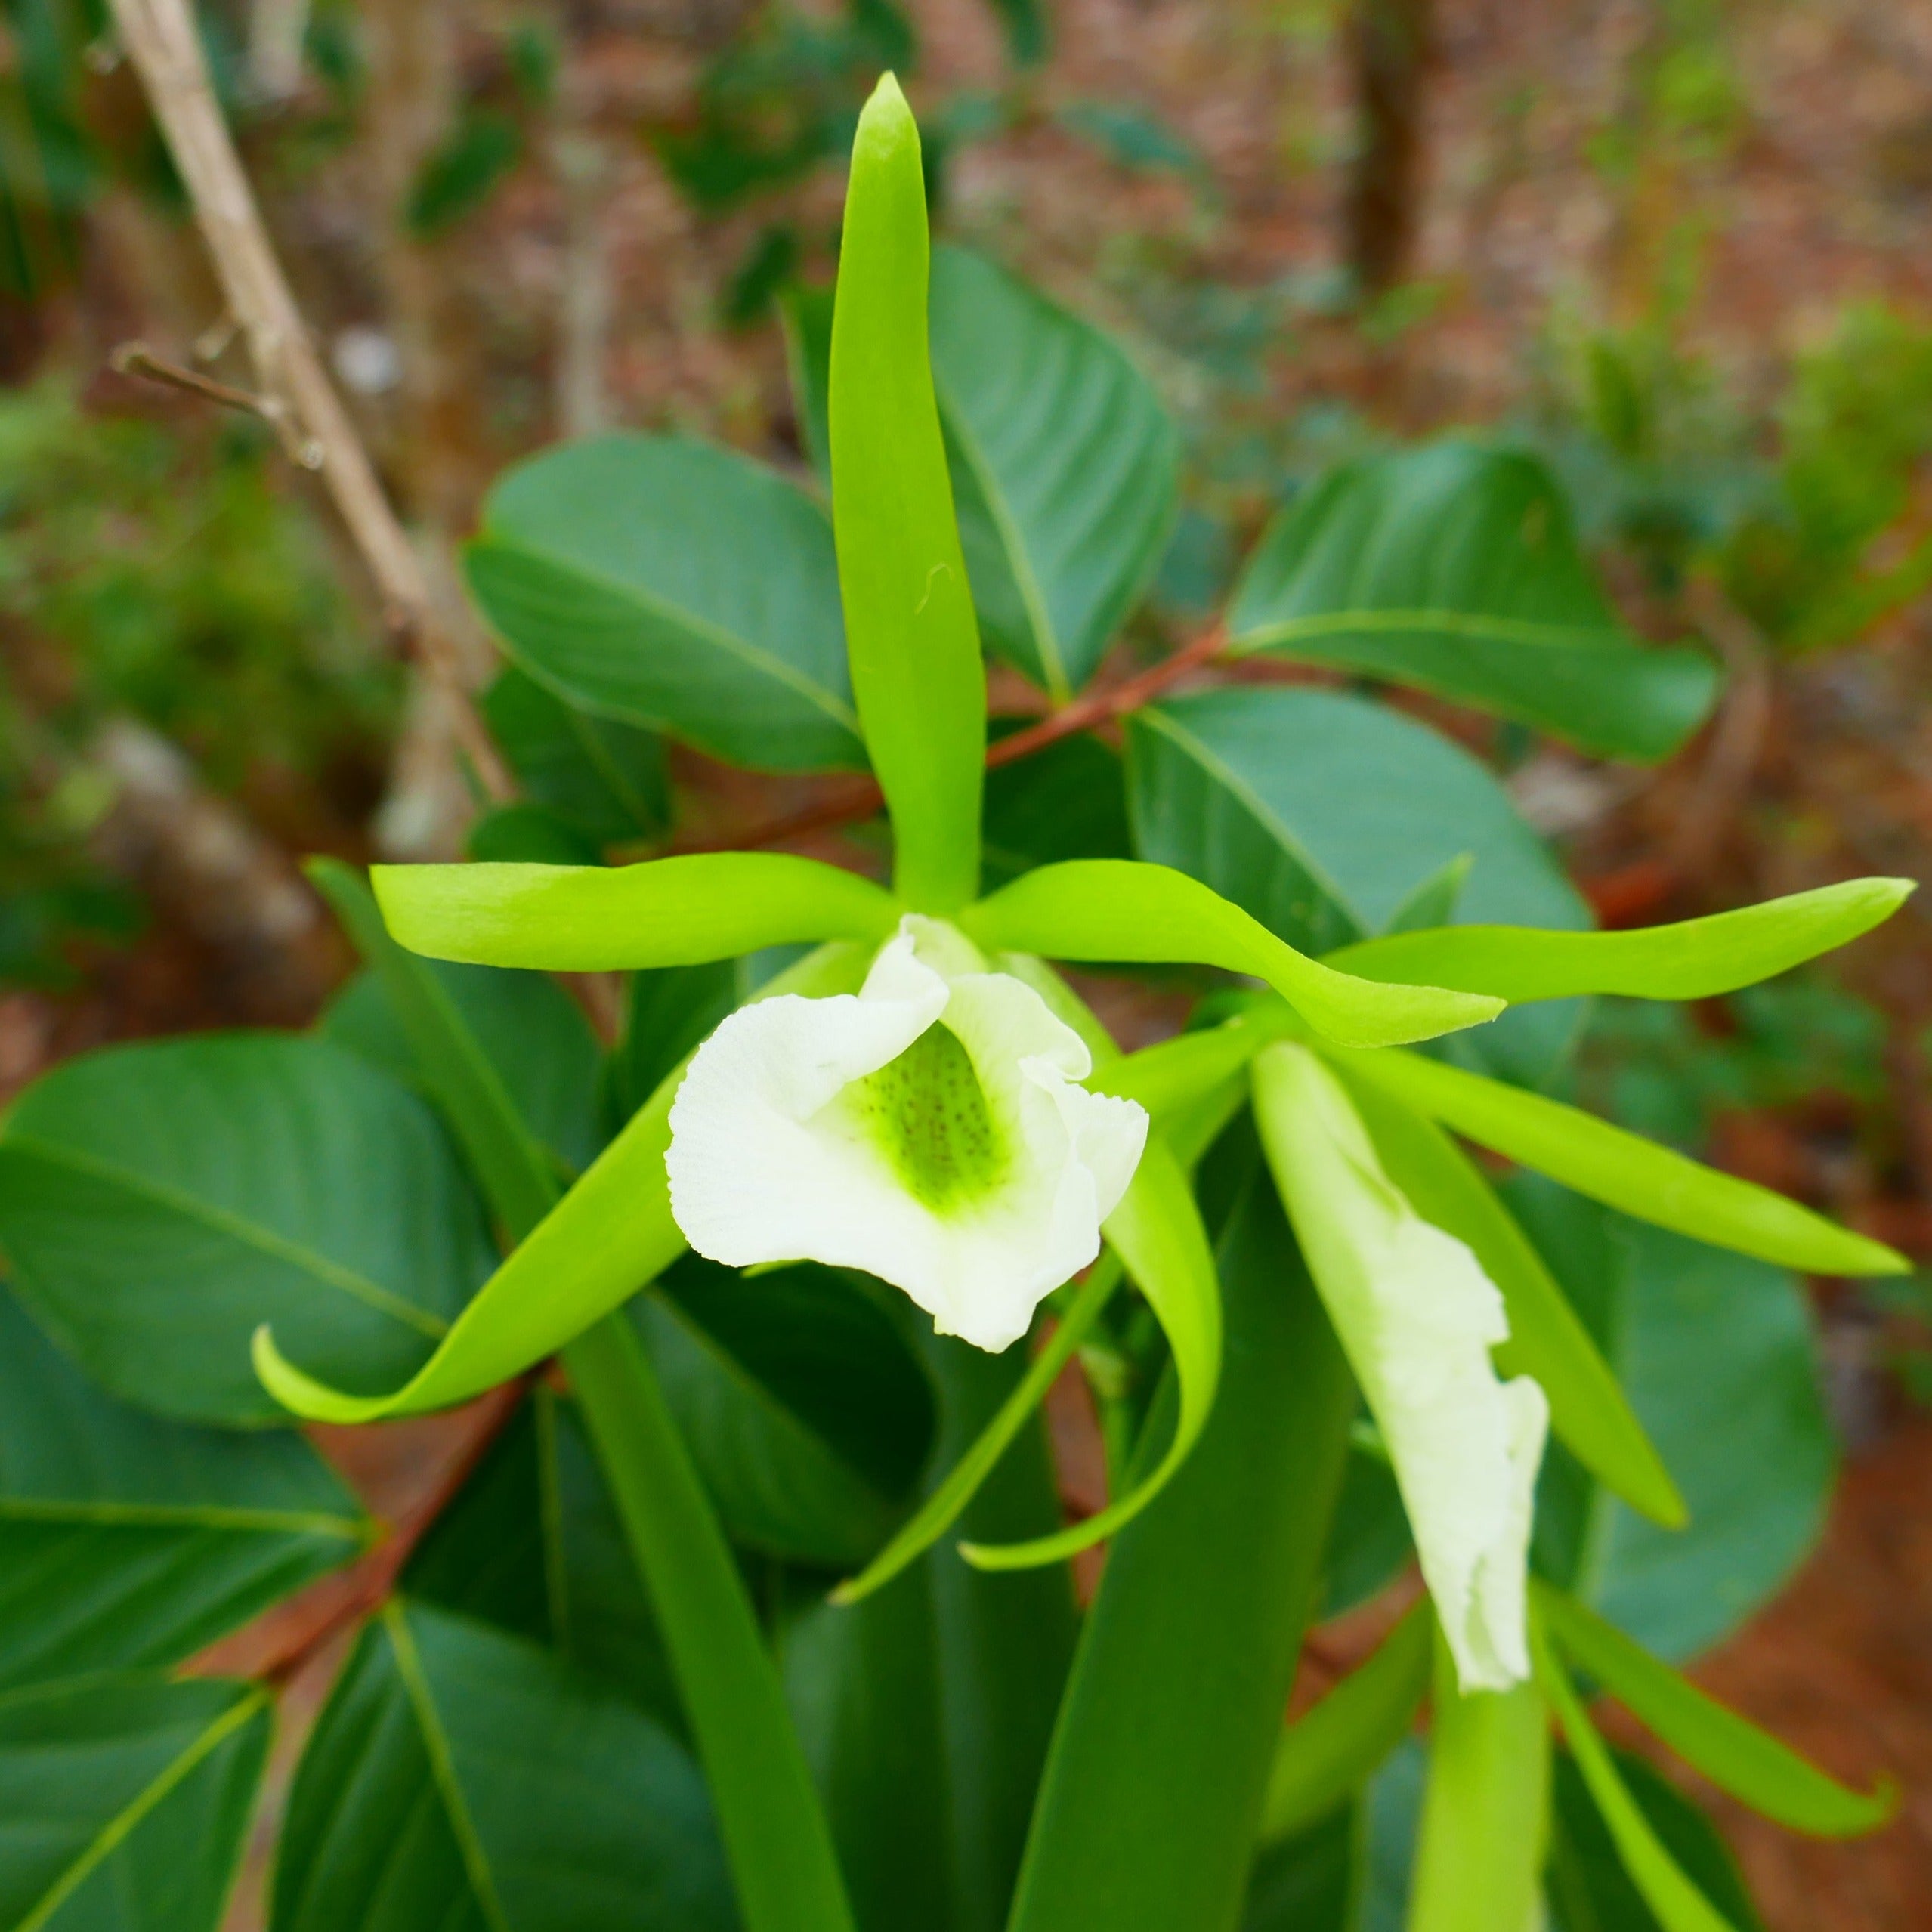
(862, 798)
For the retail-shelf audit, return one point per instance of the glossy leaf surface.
(917, 673)
(1624, 1170)
(1454, 567)
(1116, 910)
(459, 1776)
(120, 1788)
(126, 1540)
(161, 1202)
(1066, 468)
(1326, 817)
(613, 570)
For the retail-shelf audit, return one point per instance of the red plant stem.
(862, 798)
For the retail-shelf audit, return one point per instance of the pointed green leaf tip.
(911, 636)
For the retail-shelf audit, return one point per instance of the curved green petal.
(1623, 1170)
(1121, 909)
(911, 636)
(666, 912)
(1693, 960)
(609, 1236)
(1157, 1231)
(1753, 1766)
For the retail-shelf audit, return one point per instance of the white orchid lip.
(929, 1129)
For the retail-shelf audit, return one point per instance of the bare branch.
(295, 392)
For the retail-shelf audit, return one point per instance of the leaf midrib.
(248, 1233)
(1462, 623)
(754, 655)
(181, 1515)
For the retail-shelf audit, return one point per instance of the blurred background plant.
(1673, 245)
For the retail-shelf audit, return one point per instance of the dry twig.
(295, 393)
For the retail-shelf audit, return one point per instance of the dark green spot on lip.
(930, 1113)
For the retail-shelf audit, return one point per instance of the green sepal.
(1121, 909)
(666, 912)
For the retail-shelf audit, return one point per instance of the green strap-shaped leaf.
(1678, 1905)
(1588, 1409)
(666, 912)
(1478, 1856)
(1622, 1170)
(1157, 1231)
(911, 636)
(774, 1834)
(1455, 568)
(1729, 1750)
(942, 1509)
(1693, 960)
(1330, 1753)
(611, 1234)
(1118, 910)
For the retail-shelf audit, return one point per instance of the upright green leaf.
(1066, 469)
(1680, 1907)
(614, 572)
(1479, 1858)
(1588, 1411)
(1452, 567)
(1325, 816)
(160, 1202)
(782, 1863)
(115, 1789)
(1115, 910)
(666, 912)
(1066, 802)
(1690, 961)
(1622, 1170)
(127, 1541)
(914, 646)
(1729, 1750)
(603, 779)
(609, 1236)
(1147, 1812)
(459, 1776)
(1326, 1756)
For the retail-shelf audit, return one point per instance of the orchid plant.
(882, 1153)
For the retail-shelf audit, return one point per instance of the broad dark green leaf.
(806, 309)
(605, 780)
(1454, 567)
(807, 1418)
(1325, 816)
(160, 1202)
(125, 1801)
(463, 1779)
(1587, 1887)
(615, 572)
(1067, 801)
(1148, 1808)
(126, 1541)
(1066, 468)
(669, 1012)
(535, 1035)
(1306, 1882)
(1716, 1353)
(528, 834)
